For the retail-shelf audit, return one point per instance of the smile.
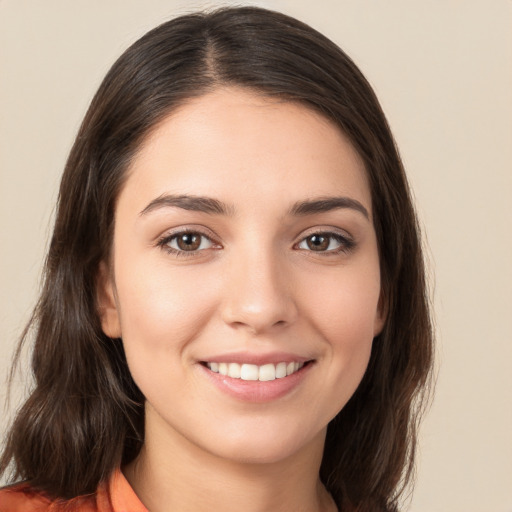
(255, 378)
(263, 373)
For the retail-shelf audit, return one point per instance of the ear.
(381, 315)
(106, 302)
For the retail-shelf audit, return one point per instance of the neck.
(176, 475)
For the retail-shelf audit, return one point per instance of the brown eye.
(186, 241)
(329, 243)
(318, 242)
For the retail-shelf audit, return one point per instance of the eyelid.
(347, 241)
(188, 228)
(326, 230)
(164, 240)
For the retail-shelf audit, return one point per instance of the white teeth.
(280, 370)
(249, 372)
(262, 373)
(234, 370)
(267, 372)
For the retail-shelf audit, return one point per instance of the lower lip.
(255, 390)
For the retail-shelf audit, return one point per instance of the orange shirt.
(116, 495)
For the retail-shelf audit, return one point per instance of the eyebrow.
(188, 202)
(326, 204)
(213, 206)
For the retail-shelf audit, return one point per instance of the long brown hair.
(85, 415)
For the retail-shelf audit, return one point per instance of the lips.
(256, 376)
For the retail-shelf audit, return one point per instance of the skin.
(255, 284)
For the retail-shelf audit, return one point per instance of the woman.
(234, 312)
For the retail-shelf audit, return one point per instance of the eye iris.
(189, 241)
(318, 242)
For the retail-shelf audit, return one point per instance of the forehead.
(232, 142)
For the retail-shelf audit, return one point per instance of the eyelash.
(166, 240)
(346, 244)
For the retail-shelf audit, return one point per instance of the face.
(244, 278)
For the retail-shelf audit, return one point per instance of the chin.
(267, 445)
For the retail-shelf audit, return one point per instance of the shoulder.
(113, 495)
(24, 498)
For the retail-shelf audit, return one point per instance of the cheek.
(161, 309)
(344, 304)
(344, 311)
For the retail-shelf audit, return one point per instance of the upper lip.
(258, 359)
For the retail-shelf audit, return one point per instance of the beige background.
(443, 72)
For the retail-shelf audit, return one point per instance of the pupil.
(318, 242)
(189, 242)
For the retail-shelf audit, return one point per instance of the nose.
(259, 293)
